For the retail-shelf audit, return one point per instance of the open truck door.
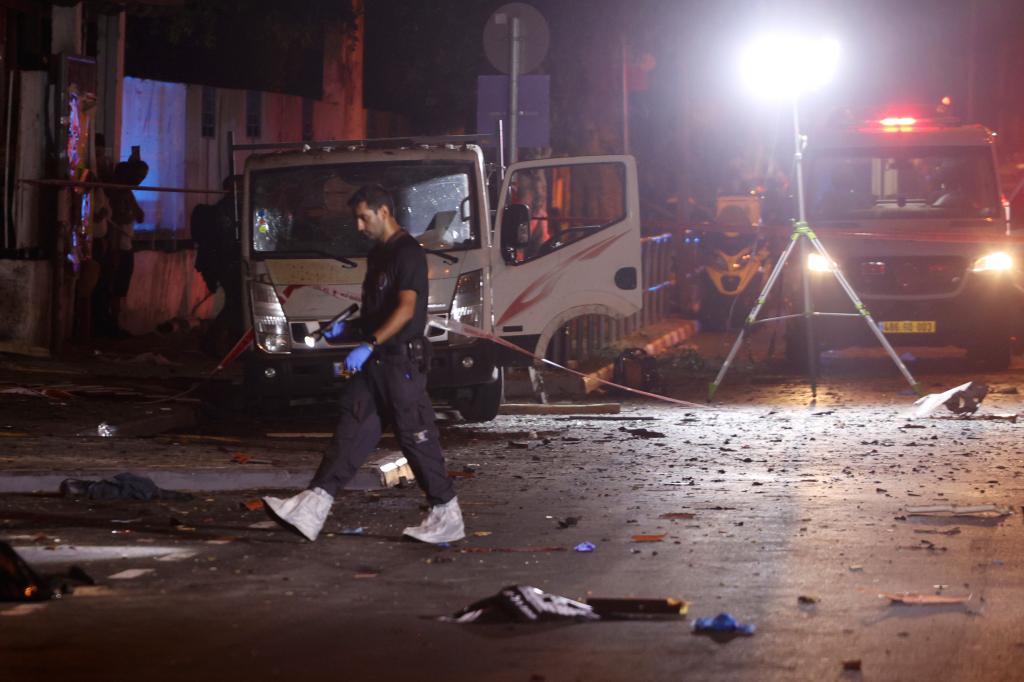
(569, 236)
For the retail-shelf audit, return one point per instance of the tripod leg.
(812, 347)
(752, 316)
(872, 325)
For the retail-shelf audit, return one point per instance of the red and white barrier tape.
(465, 330)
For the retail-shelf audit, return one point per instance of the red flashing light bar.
(898, 121)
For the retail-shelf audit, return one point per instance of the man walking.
(389, 382)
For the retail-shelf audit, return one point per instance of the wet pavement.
(753, 503)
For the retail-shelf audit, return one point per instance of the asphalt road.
(788, 499)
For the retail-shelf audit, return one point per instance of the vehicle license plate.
(909, 327)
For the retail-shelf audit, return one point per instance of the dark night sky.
(423, 58)
(419, 54)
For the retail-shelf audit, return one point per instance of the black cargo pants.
(390, 389)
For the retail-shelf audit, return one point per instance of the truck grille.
(906, 275)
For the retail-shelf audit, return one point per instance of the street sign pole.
(513, 89)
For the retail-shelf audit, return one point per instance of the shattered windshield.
(904, 182)
(304, 209)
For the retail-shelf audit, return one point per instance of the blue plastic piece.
(585, 547)
(723, 622)
(353, 531)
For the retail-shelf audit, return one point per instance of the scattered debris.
(243, 458)
(509, 550)
(642, 433)
(131, 573)
(678, 515)
(807, 600)
(983, 511)
(856, 569)
(252, 505)
(568, 522)
(152, 423)
(914, 598)
(851, 664)
(656, 537)
(353, 531)
(631, 608)
(585, 547)
(523, 604)
(723, 622)
(931, 531)
(125, 486)
(964, 399)
(264, 525)
(50, 393)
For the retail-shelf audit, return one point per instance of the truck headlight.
(993, 262)
(269, 322)
(467, 303)
(817, 263)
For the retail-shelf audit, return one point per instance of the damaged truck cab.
(565, 242)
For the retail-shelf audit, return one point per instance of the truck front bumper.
(299, 375)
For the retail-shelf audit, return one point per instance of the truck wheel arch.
(567, 316)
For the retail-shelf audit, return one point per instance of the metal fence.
(665, 261)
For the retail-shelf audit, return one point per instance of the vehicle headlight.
(467, 303)
(993, 262)
(817, 263)
(268, 318)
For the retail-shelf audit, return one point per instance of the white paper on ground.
(932, 401)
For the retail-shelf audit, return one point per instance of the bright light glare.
(898, 121)
(993, 262)
(785, 66)
(817, 263)
(310, 341)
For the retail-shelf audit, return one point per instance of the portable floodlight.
(783, 67)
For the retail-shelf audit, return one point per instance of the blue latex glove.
(335, 330)
(357, 357)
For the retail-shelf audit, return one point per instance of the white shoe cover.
(443, 524)
(305, 512)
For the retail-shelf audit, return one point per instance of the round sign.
(533, 37)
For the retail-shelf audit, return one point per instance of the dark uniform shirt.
(396, 265)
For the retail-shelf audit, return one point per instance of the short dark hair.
(375, 196)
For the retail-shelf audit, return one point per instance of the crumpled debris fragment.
(585, 547)
(523, 604)
(723, 622)
(964, 399)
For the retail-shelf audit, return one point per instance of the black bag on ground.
(636, 369)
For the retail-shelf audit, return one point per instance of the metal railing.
(664, 257)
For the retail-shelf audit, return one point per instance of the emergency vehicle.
(911, 212)
(563, 242)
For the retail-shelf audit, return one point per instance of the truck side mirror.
(515, 225)
(515, 230)
(465, 210)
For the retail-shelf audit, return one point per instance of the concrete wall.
(25, 306)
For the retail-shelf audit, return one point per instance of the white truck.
(563, 242)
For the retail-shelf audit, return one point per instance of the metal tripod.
(802, 229)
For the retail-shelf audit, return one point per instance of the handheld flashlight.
(348, 312)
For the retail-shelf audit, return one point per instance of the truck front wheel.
(479, 403)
